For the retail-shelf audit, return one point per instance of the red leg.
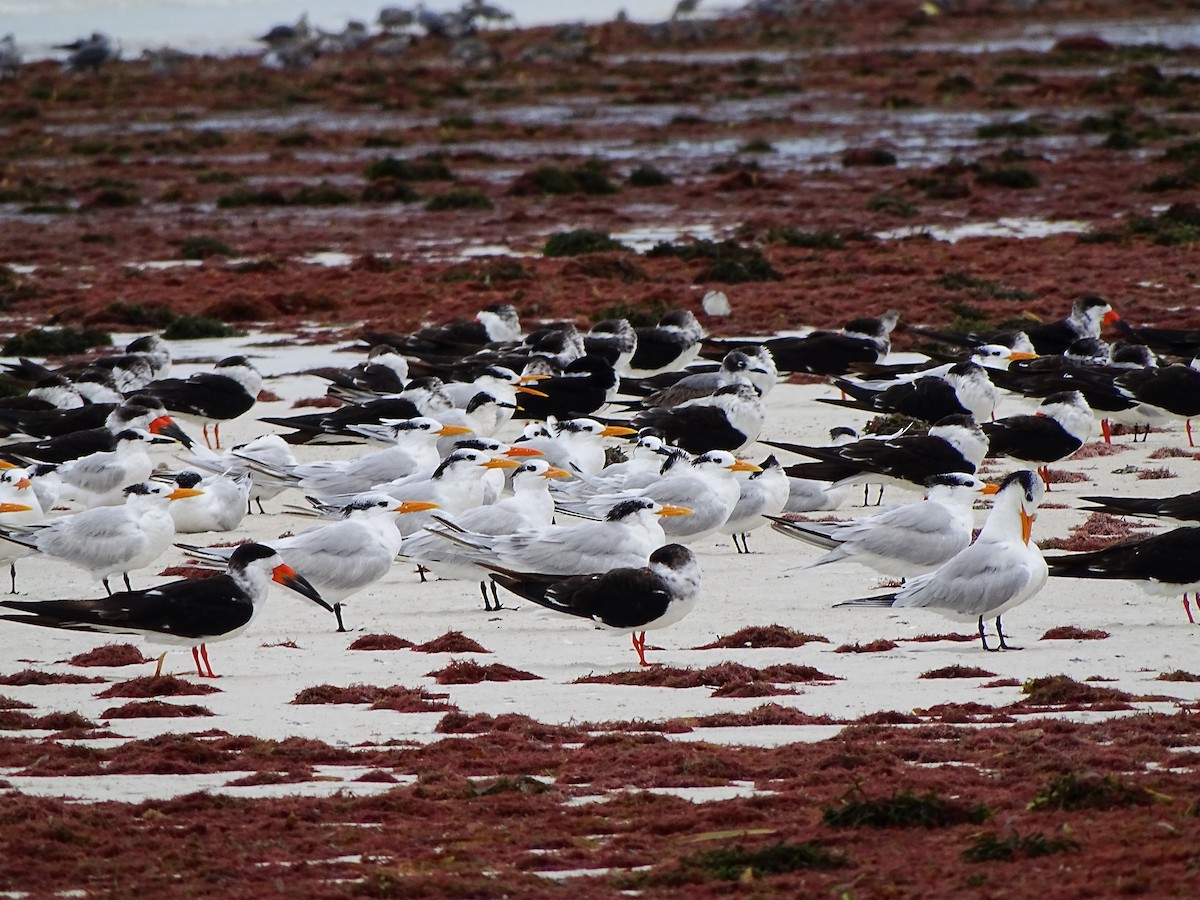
(639, 644)
(207, 664)
(1188, 427)
(217, 434)
(1106, 430)
(1044, 472)
(196, 657)
(1187, 607)
(204, 431)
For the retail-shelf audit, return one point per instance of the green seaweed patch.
(892, 205)
(202, 246)
(55, 341)
(957, 671)
(980, 287)
(756, 636)
(388, 190)
(1016, 130)
(466, 671)
(903, 809)
(728, 261)
(806, 240)
(110, 655)
(424, 169)
(1072, 633)
(155, 709)
(991, 847)
(499, 269)
(1073, 791)
(590, 177)
(451, 642)
(1013, 177)
(460, 198)
(639, 315)
(610, 268)
(646, 176)
(156, 686)
(580, 241)
(380, 642)
(188, 328)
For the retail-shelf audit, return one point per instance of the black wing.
(1173, 558)
(1031, 438)
(825, 353)
(658, 348)
(697, 429)
(622, 598)
(1184, 507)
(206, 394)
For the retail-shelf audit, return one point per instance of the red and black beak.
(293, 581)
(167, 427)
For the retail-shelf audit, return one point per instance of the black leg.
(128, 586)
(421, 570)
(866, 495)
(12, 571)
(487, 601)
(495, 597)
(337, 611)
(258, 500)
(983, 637)
(104, 581)
(1000, 634)
(879, 499)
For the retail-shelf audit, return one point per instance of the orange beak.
(183, 493)
(1021, 354)
(447, 430)
(23, 484)
(412, 506)
(497, 463)
(617, 431)
(743, 466)
(14, 507)
(521, 389)
(525, 378)
(555, 472)
(675, 511)
(990, 489)
(522, 451)
(1026, 526)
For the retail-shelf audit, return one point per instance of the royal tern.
(626, 536)
(99, 479)
(573, 444)
(108, 539)
(340, 558)
(730, 419)
(641, 469)
(268, 449)
(761, 495)
(998, 572)
(530, 506)
(1166, 564)
(19, 507)
(219, 505)
(666, 391)
(191, 613)
(904, 540)
(634, 600)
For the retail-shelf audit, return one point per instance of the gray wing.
(972, 584)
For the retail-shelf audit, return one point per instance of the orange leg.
(1107, 431)
(204, 431)
(196, 657)
(1187, 607)
(639, 644)
(217, 434)
(199, 653)
(1044, 471)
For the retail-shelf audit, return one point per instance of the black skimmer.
(144, 359)
(672, 388)
(339, 558)
(1184, 342)
(671, 344)
(583, 387)
(192, 612)
(616, 336)
(730, 419)
(1174, 390)
(108, 539)
(1165, 564)
(907, 540)
(964, 388)
(229, 391)
(384, 372)
(1088, 315)
(633, 600)
(862, 341)
(954, 444)
(762, 494)
(424, 396)
(998, 572)
(1182, 507)
(494, 324)
(1060, 426)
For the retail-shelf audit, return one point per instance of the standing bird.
(268, 450)
(633, 600)
(225, 393)
(998, 572)
(904, 540)
(191, 613)
(1166, 565)
(108, 539)
(343, 557)
(1060, 426)
(763, 495)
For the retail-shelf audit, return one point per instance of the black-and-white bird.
(671, 344)
(1174, 390)
(1060, 426)
(629, 600)
(762, 494)
(1181, 507)
(1166, 564)
(190, 613)
(612, 336)
(385, 371)
(964, 388)
(230, 390)
(1088, 315)
(954, 444)
(498, 323)
(219, 504)
(730, 419)
(862, 341)
(584, 386)
(998, 572)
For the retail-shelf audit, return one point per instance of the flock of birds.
(485, 454)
